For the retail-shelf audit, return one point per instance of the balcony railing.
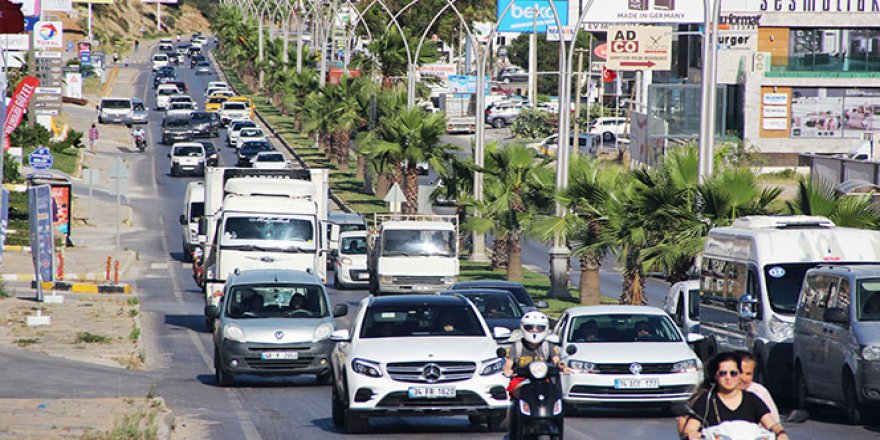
(826, 65)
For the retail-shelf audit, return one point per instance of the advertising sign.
(73, 84)
(834, 112)
(640, 47)
(18, 105)
(42, 240)
(61, 208)
(95, 2)
(646, 11)
(57, 5)
(48, 35)
(523, 16)
(4, 218)
(15, 42)
(438, 70)
(553, 33)
(464, 84)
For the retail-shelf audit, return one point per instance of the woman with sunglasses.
(723, 400)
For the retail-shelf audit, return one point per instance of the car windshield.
(239, 126)
(270, 157)
(200, 117)
(784, 285)
(494, 306)
(622, 328)
(189, 150)
(353, 246)
(420, 319)
(352, 227)
(418, 243)
(196, 209)
(139, 107)
(276, 301)
(299, 229)
(116, 103)
(251, 132)
(869, 300)
(233, 106)
(176, 122)
(203, 64)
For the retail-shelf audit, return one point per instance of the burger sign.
(48, 35)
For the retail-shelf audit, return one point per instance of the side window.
(753, 287)
(842, 299)
(826, 286)
(679, 305)
(560, 326)
(807, 296)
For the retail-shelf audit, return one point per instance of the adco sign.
(523, 15)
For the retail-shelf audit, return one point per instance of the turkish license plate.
(279, 355)
(431, 392)
(641, 383)
(363, 276)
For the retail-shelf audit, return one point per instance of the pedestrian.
(125, 61)
(136, 44)
(115, 57)
(93, 138)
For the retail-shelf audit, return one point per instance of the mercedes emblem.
(432, 373)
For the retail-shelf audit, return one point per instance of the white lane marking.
(158, 266)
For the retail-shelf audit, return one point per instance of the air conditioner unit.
(760, 62)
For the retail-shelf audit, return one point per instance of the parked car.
(205, 124)
(269, 160)
(502, 113)
(588, 145)
(417, 355)
(250, 149)
(176, 129)
(187, 158)
(626, 355)
(513, 74)
(610, 128)
(273, 322)
(350, 260)
(837, 340)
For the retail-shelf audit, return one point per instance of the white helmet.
(535, 327)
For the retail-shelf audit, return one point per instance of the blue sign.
(30, 21)
(4, 218)
(524, 15)
(41, 159)
(42, 239)
(465, 84)
(85, 57)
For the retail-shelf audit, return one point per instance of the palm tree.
(390, 54)
(821, 198)
(296, 88)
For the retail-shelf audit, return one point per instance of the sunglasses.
(535, 328)
(731, 373)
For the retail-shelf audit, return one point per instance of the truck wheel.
(223, 378)
(187, 253)
(498, 123)
(497, 423)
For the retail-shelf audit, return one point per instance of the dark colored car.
(518, 290)
(181, 85)
(212, 155)
(163, 76)
(176, 129)
(498, 307)
(193, 51)
(250, 149)
(196, 59)
(205, 124)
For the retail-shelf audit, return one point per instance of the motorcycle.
(732, 430)
(140, 142)
(538, 411)
(197, 268)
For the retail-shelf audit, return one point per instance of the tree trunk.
(383, 184)
(633, 281)
(499, 252)
(411, 190)
(514, 256)
(361, 173)
(343, 149)
(589, 284)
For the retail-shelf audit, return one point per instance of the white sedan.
(269, 160)
(625, 355)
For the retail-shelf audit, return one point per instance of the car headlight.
(557, 407)
(233, 333)
(449, 280)
(871, 352)
(365, 367)
(387, 279)
(346, 261)
(492, 366)
(322, 332)
(688, 366)
(780, 328)
(538, 370)
(524, 408)
(582, 366)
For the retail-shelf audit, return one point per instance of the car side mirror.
(836, 315)
(182, 220)
(341, 336)
(553, 339)
(693, 338)
(571, 349)
(500, 333)
(340, 310)
(747, 307)
(501, 352)
(542, 304)
(212, 311)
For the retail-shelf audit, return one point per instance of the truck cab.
(413, 253)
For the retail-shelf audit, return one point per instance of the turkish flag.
(11, 18)
(608, 75)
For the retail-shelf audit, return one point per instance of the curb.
(15, 187)
(67, 286)
(16, 248)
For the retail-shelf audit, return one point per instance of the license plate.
(363, 276)
(431, 392)
(642, 383)
(279, 355)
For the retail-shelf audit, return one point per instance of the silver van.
(837, 340)
(116, 110)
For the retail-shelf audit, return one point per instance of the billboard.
(464, 84)
(523, 16)
(834, 112)
(48, 35)
(646, 11)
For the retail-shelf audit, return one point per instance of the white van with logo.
(115, 110)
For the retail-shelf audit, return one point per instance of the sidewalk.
(94, 222)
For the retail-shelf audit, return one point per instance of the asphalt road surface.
(296, 408)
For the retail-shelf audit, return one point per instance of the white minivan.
(193, 211)
(115, 110)
(160, 60)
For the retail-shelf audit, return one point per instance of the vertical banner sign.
(18, 105)
(4, 218)
(61, 208)
(42, 239)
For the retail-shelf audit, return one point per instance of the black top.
(751, 409)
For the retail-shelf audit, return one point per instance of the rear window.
(242, 125)
(176, 122)
(160, 57)
(271, 157)
(189, 150)
(234, 106)
(116, 103)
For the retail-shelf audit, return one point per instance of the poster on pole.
(42, 238)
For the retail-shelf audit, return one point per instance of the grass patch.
(24, 342)
(90, 338)
(133, 301)
(64, 161)
(132, 313)
(135, 334)
(91, 85)
(3, 292)
(137, 426)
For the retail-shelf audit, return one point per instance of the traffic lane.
(464, 141)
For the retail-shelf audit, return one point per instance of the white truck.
(461, 115)
(412, 253)
(263, 219)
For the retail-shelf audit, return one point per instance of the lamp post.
(709, 84)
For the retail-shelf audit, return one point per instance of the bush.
(25, 136)
(11, 171)
(532, 124)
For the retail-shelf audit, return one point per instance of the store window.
(818, 112)
(834, 49)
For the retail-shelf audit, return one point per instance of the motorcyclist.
(532, 346)
(139, 135)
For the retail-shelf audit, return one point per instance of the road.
(290, 408)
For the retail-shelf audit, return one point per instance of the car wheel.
(338, 409)
(174, 172)
(187, 253)
(800, 392)
(355, 424)
(223, 378)
(325, 378)
(497, 423)
(855, 412)
(608, 136)
(498, 123)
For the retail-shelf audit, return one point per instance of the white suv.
(418, 355)
(610, 128)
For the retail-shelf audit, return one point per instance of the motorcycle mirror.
(571, 349)
(501, 352)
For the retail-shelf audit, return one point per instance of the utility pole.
(260, 58)
(158, 15)
(709, 81)
(576, 131)
(533, 61)
(479, 240)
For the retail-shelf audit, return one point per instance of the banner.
(4, 218)
(42, 239)
(526, 15)
(18, 105)
(57, 5)
(61, 208)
